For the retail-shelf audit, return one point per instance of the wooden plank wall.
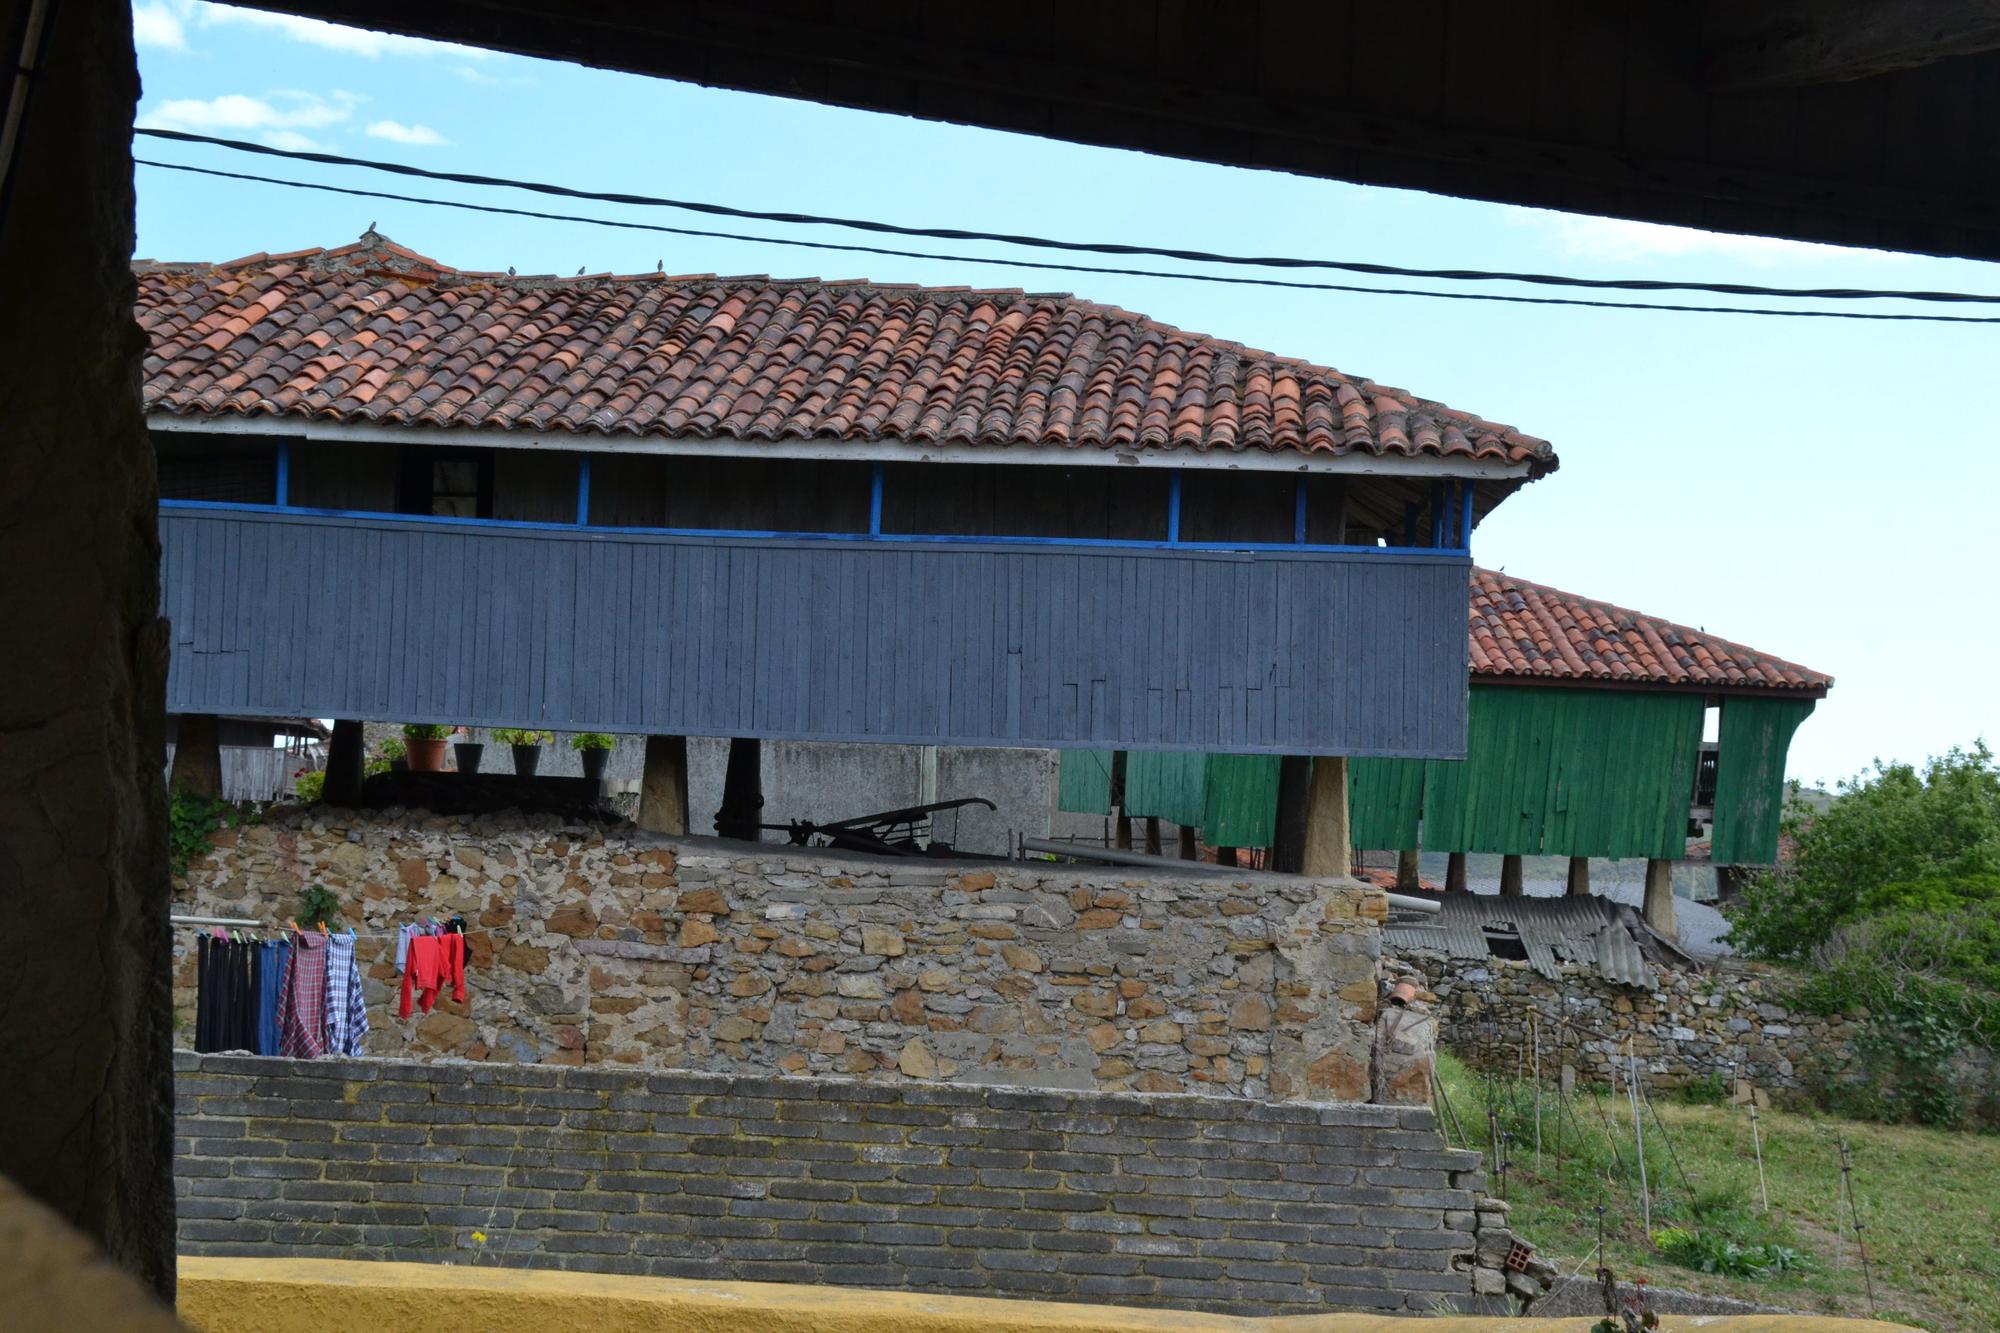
(296, 615)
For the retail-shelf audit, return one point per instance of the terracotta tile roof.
(1523, 629)
(375, 333)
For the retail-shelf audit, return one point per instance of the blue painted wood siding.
(980, 644)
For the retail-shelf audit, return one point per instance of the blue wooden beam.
(877, 538)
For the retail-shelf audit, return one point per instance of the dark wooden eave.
(1857, 122)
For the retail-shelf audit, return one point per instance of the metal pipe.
(213, 921)
(1118, 857)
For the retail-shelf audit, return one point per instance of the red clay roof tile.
(375, 333)
(1520, 629)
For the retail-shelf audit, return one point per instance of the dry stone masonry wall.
(1725, 1023)
(599, 945)
(1207, 1202)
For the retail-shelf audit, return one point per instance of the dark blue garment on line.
(272, 956)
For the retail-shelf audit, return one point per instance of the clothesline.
(205, 922)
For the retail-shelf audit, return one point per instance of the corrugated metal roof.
(1608, 937)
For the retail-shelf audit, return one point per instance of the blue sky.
(1823, 490)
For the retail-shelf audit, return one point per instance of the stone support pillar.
(1408, 878)
(742, 791)
(86, 1072)
(1454, 873)
(1659, 909)
(1510, 877)
(197, 757)
(663, 789)
(1579, 877)
(1288, 850)
(345, 762)
(1329, 849)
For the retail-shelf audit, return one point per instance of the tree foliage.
(1892, 904)
(1895, 838)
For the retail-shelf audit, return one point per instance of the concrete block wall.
(1202, 1202)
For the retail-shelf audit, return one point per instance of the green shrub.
(308, 786)
(319, 908)
(393, 749)
(591, 740)
(1892, 906)
(192, 822)
(425, 731)
(522, 736)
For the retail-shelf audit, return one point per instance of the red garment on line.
(434, 962)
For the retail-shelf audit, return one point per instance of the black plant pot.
(593, 763)
(526, 759)
(399, 765)
(468, 753)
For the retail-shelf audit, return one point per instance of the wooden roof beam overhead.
(1757, 45)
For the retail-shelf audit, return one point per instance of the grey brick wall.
(1203, 1202)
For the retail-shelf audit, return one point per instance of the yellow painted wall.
(329, 1296)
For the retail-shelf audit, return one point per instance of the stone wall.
(1728, 1022)
(602, 945)
(1205, 1202)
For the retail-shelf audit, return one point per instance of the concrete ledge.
(317, 1295)
(51, 1277)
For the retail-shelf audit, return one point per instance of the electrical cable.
(1049, 265)
(1086, 247)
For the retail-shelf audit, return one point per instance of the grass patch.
(1929, 1199)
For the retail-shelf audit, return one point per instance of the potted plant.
(594, 749)
(394, 758)
(425, 743)
(468, 751)
(527, 745)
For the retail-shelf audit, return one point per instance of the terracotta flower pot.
(425, 756)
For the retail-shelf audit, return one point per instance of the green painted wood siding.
(1754, 738)
(1568, 773)
(1547, 772)
(1083, 782)
(1231, 798)
(1385, 801)
(1172, 787)
(1241, 809)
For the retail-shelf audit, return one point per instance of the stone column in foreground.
(1329, 845)
(663, 789)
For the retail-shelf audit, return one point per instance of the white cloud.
(283, 111)
(291, 140)
(157, 25)
(334, 36)
(1619, 239)
(422, 136)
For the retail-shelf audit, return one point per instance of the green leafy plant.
(1712, 1252)
(425, 731)
(393, 749)
(318, 908)
(521, 736)
(591, 740)
(308, 786)
(192, 822)
(1711, 1089)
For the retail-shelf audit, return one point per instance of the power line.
(1050, 265)
(1085, 247)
